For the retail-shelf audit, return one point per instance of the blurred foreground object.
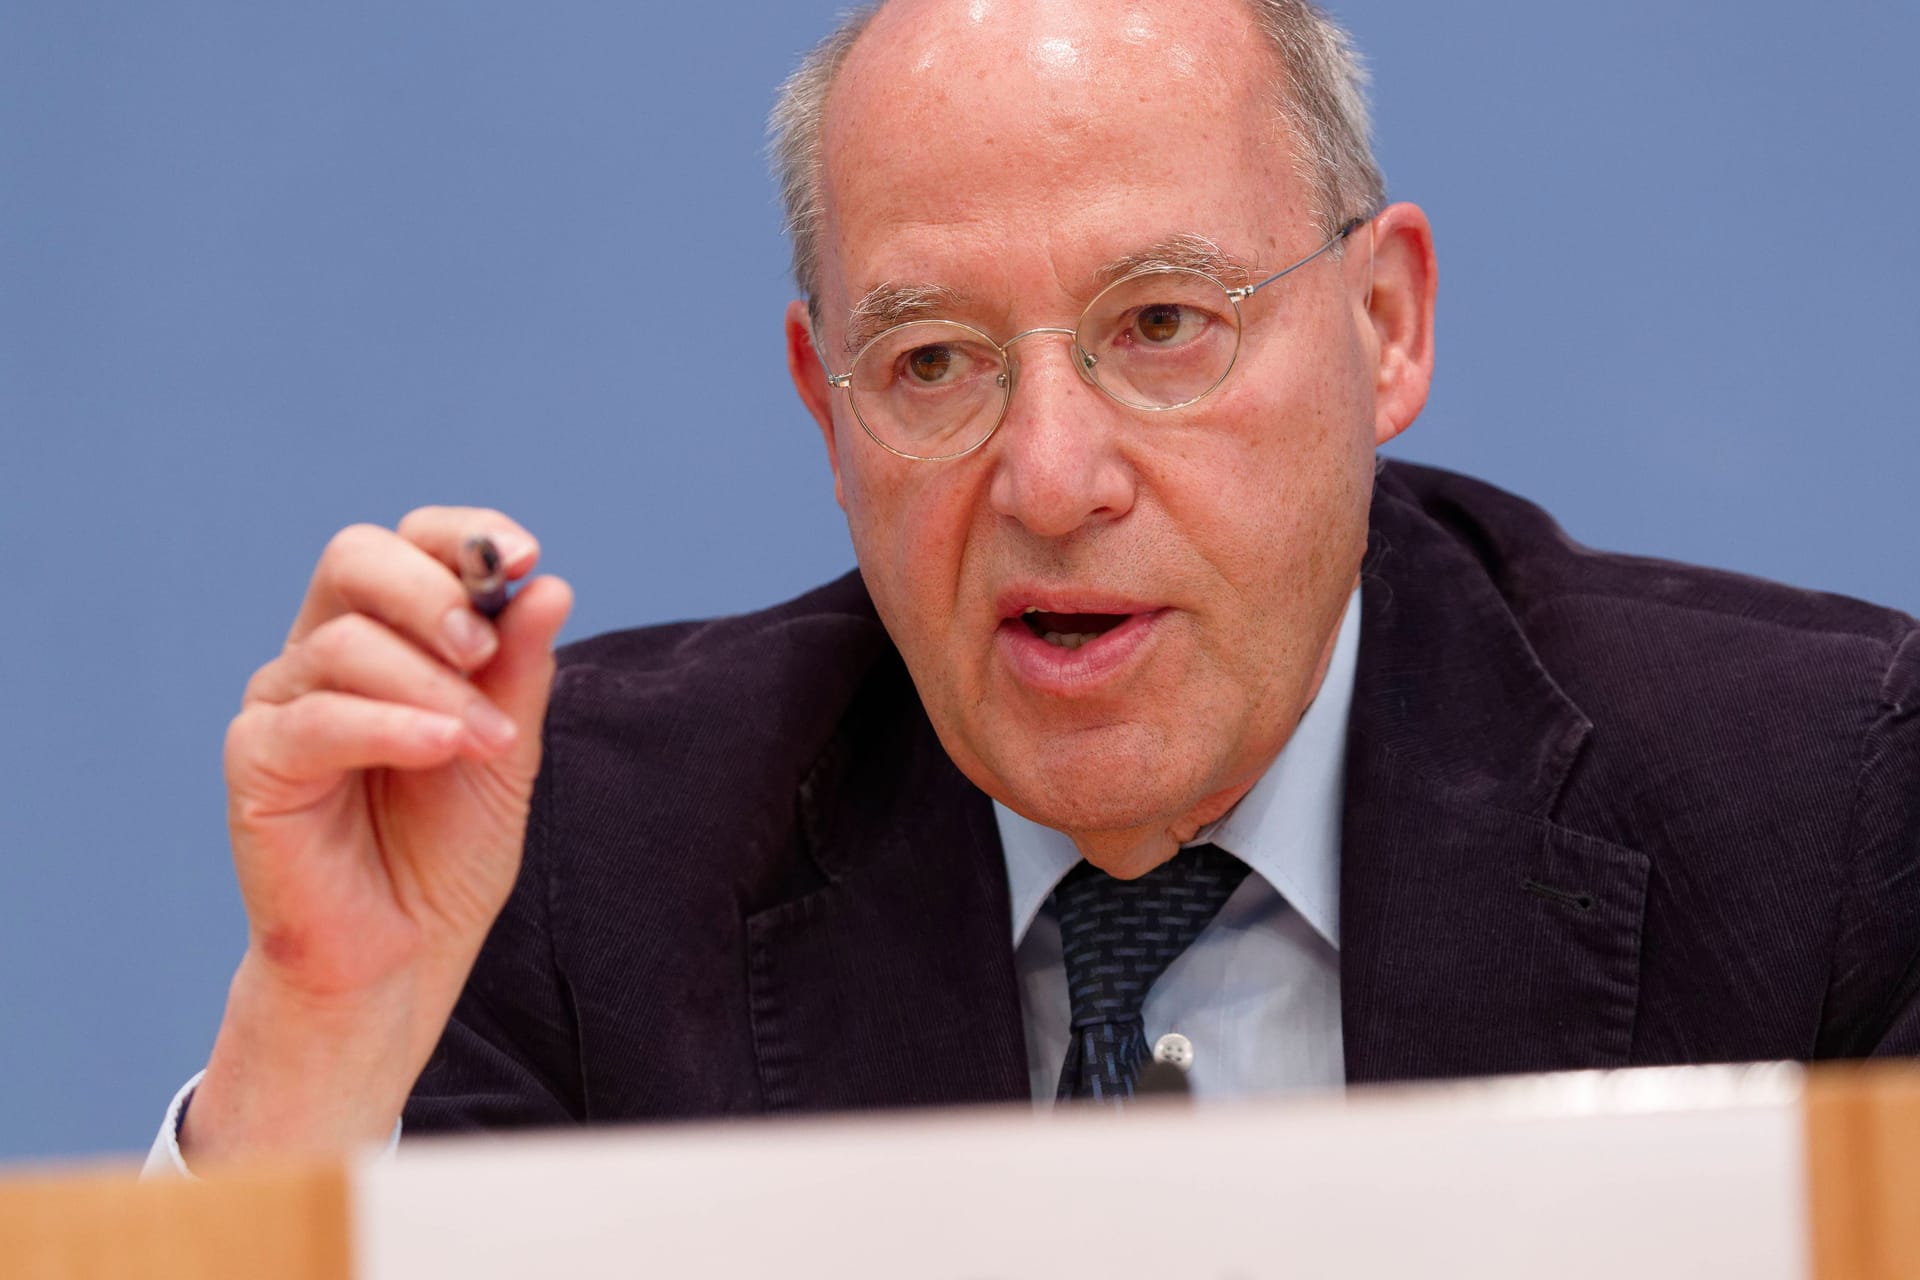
(1757, 1172)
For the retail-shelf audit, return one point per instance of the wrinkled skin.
(1007, 150)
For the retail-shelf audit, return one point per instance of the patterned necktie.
(1119, 936)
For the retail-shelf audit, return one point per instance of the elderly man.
(1159, 721)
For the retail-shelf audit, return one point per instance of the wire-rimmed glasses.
(1156, 339)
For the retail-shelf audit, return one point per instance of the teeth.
(1070, 639)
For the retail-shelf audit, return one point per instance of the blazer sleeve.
(510, 1054)
(1874, 994)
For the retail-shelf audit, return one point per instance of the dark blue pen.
(483, 575)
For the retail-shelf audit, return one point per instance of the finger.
(440, 531)
(319, 736)
(374, 571)
(354, 654)
(520, 678)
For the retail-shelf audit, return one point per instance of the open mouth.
(1071, 630)
(1075, 643)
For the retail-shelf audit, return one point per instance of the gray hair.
(1320, 96)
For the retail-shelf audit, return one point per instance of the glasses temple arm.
(1247, 291)
(833, 379)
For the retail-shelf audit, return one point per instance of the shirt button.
(1175, 1049)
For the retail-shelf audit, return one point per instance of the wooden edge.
(1863, 1171)
(284, 1221)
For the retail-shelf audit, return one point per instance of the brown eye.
(1159, 323)
(930, 364)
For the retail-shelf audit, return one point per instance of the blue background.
(266, 269)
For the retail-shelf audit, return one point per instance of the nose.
(1058, 465)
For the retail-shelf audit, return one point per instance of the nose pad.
(1083, 362)
(1081, 359)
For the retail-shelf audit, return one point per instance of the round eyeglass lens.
(1161, 339)
(930, 389)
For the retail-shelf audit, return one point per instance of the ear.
(810, 380)
(1405, 279)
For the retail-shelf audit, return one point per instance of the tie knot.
(1119, 936)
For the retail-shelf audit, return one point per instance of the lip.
(1048, 669)
(1020, 597)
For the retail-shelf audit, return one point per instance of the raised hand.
(378, 777)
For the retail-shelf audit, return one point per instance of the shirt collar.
(1287, 828)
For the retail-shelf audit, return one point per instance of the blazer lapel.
(1478, 936)
(893, 985)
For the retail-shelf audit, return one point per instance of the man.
(1103, 323)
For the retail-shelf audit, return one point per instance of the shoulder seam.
(1892, 644)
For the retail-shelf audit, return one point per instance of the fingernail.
(492, 725)
(468, 636)
(513, 549)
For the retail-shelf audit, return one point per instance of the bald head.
(949, 113)
(900, 59)
(974, 178)
(1054, 54)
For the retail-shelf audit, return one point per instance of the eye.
(924, 359)
(930, 365)
(1166, 324)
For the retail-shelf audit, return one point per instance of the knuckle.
(262, 685)
(353, 537)
(349, 544)
(243, 740)
(341, 638)
(296, 719)
(239, 729)
(311, 719)
(418, 521)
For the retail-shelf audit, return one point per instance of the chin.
(1115, 779)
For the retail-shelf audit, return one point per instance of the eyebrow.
(1183, 252)
(890, 302)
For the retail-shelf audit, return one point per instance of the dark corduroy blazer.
(1601, 811)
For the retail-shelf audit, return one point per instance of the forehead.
(965, 136)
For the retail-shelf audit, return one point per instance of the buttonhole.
(1581, 901)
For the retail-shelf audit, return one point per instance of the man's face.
(1008, 151)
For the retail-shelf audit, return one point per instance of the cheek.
(875, 490)
(909, 523)
(1274, 498)
(1279, 479)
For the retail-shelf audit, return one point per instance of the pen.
(483, 575)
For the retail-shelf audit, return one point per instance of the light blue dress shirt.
(1258, 993)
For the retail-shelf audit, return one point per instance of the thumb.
(520, 677)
